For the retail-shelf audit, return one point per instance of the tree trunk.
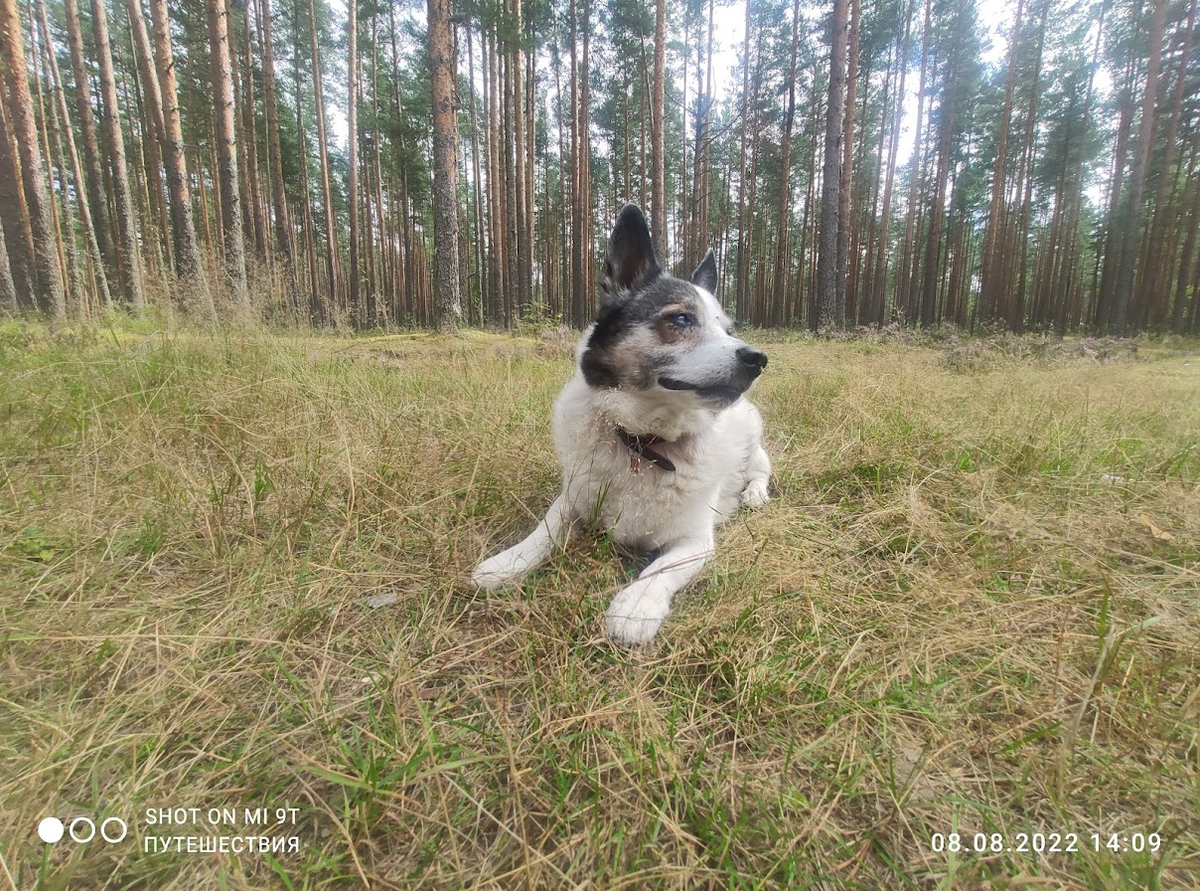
(355, 283)
(332, 260)
(832, 312)
(226, 132)
(992, 290)
(91, 146)
(47, 281)
(745, 221)
(447, 302)
(188, 267)
(780, 278)
(128, 258)
(1157, 279)
(283, 224)
(1131, 218)
(879, 278)
(847, 180)
(90, 235)
(658, 185)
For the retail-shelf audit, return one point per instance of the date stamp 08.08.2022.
(1044, 842)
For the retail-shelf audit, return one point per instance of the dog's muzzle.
(750, 363)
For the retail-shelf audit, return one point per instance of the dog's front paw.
(634, 616)
(493, 573)
(755, 495)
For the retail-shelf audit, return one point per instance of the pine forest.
(1032, 165)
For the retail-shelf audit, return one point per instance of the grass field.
(233, 575)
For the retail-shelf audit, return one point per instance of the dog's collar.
(642, 446)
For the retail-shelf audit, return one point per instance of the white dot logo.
(50, 830)
(82, 830)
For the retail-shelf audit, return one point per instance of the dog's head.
(660, 335)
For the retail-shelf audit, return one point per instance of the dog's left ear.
(705, 275)
(630, 261)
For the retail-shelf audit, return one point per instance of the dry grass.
(971, 607)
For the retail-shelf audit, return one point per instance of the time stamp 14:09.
(1044, 842)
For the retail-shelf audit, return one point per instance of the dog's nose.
(756, 359)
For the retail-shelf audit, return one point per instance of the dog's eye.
(683, 320)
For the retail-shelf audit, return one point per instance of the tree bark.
(447, 301)
(283, 224)
(847, 180)
(47, 281)
(90, 235)
(226, 132)
(128, 257)
(832, 312)
(332, 259)
(1131, 218)
(91, 146)
(658, 184)
(188, 266)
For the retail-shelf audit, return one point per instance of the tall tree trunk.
(905, 270)
(847, 180)
(476, 295)
(356, 308)
(745, 220)
(128, 257)
(47, 281)
(447, 301)
(153, 112)
(188, 267)
(250, 137)
(658, 105)
(90, 235)
(933, 241)
(1018, 250)
(992, 294)
(332, 260)
(60, 214)
(283, 223)
(879, 279)
(1184, 282)
(780, 278)
(91, 146)
(1157, 279)
(832, 312)
(576, 274)
(226, 132)
(1131, 218)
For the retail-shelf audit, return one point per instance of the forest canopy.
(854, 162)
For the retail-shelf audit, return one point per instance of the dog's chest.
(642, 504)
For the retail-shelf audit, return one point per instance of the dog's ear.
(630, 261)
(705, 275)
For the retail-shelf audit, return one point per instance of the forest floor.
(958, 649)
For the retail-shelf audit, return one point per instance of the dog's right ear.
(630, 262)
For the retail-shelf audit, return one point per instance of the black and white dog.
(656, 442)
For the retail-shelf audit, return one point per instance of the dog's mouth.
(723, 394)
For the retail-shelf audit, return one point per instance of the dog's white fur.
(719, 459)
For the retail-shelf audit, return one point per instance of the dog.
(657, 443)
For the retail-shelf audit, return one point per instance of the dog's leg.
(758, 474)
(509, 567)
(636, 613)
